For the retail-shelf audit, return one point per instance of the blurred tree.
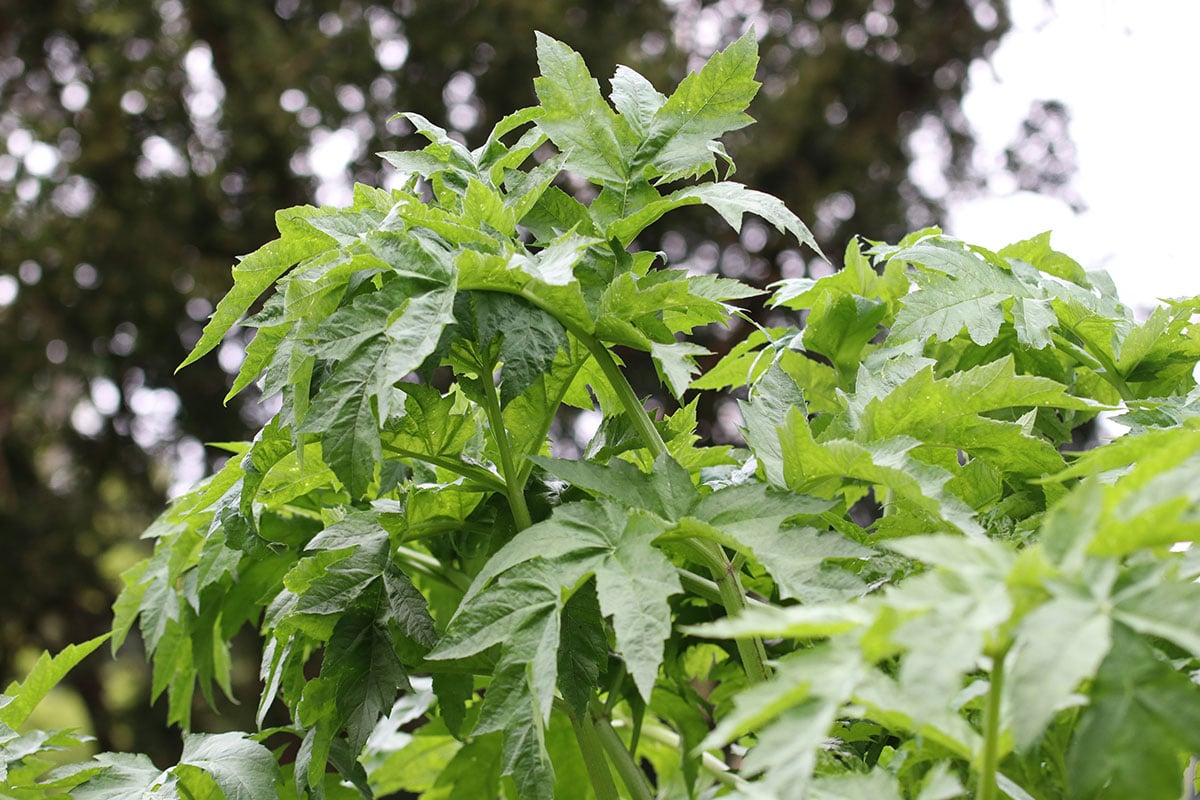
(146, 143)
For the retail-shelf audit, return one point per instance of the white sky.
(1128, 72)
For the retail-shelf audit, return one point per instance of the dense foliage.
(902, 587)
(144, 144)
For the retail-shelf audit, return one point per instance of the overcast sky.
(1127, 71)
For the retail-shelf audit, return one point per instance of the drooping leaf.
(633, 582)
(582, 648)
(376, 342)
(529, 339)
(360, 662)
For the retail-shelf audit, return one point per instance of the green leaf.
(636, 99)
(771, 400)
(548, 284)
(1038, 253)
(706, 105)
(1057, 646)
(596, 141)
(837, 466)
(1134, 738)
(124, 775)
(433, 423)
(377, 340)
(856, 278)
(793, 713)
(473, 773)
(676, 364)
(1164, 609)
(792, 622)
(731, 200)
(582, 648)
(360, 662)
(751, 518)
(23, 697)
(633, 582)
(241, 767)
(874, 785)
(666, 491)
(960, 289)
(529, 339)
(947, 412)
(298, 241)
(840, 327)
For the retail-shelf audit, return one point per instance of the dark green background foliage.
(839, 98)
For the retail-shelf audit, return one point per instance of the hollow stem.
(733, 597)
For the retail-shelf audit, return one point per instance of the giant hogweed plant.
(450, 611)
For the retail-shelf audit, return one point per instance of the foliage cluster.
(902, 587)
(145, 143)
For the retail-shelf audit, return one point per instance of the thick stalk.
(989, 763)
(631, 774)
(733, 597)
(629, 399)
(513, 489)
(708, 590)
(593, 757)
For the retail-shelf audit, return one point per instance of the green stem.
(990, 760)
(629, 399)
(513, 487)
(631, 774)
(708, 590)
(710, 763)
(593, 757)
(427, 564)
(1107, 368)
(468, 471)
(733, 597)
